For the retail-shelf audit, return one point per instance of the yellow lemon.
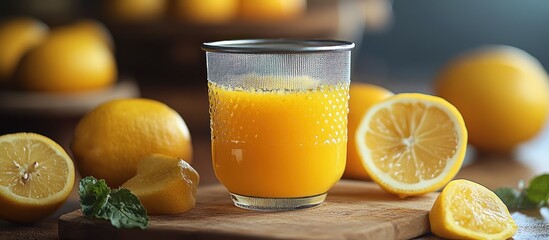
(206, 11)
(412, 143)
(502, 92)
(110, 140)
(164, 185)
(135, 10)
(94, 29)
(36, 177)
(467, 210)
(271, 10)
(67, 61)
(17, 36)
(362, 97)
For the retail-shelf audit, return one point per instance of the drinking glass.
(278, 119)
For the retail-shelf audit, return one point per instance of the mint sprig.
(120, 206)
(534, 196)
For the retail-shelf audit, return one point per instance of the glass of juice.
(278, 119)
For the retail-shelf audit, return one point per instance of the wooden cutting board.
(353, 210)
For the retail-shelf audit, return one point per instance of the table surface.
(490, 170)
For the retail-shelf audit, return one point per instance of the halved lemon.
(467, 210)
(36, 177)
(412, 143)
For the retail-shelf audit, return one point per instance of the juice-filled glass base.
(276, 204)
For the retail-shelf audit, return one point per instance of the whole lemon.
(94, 29)
(271, 10)
(206, 11)
(17, 36)
(134, 10)
(362, 97)
(67, 61)
(502, 93)
(110, 140)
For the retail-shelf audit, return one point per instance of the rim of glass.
(277, 46)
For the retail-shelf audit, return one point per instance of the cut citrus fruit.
(467, 210)
(164, 185)
(412, 143)
(36, 177)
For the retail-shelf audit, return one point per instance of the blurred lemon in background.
(206, 11)
(94, 29)
(502, 92)
(69, 60)
(17, 36)
(271, 10)
(110, 140)
(134, 10)
(362, 97)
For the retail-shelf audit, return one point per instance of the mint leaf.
(94, 195)
(121, 207)
(125, 210)
(509, 196)
(524, 203)
(534, 196)
(538, 191)
(514, 199)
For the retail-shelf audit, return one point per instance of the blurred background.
(155, 48)
(61, 58)
(151, 48)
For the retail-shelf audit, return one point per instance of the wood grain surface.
(353, 210)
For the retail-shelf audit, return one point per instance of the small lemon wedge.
(164, 185)
(467, 210)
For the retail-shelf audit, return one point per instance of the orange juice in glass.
(278, 117)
